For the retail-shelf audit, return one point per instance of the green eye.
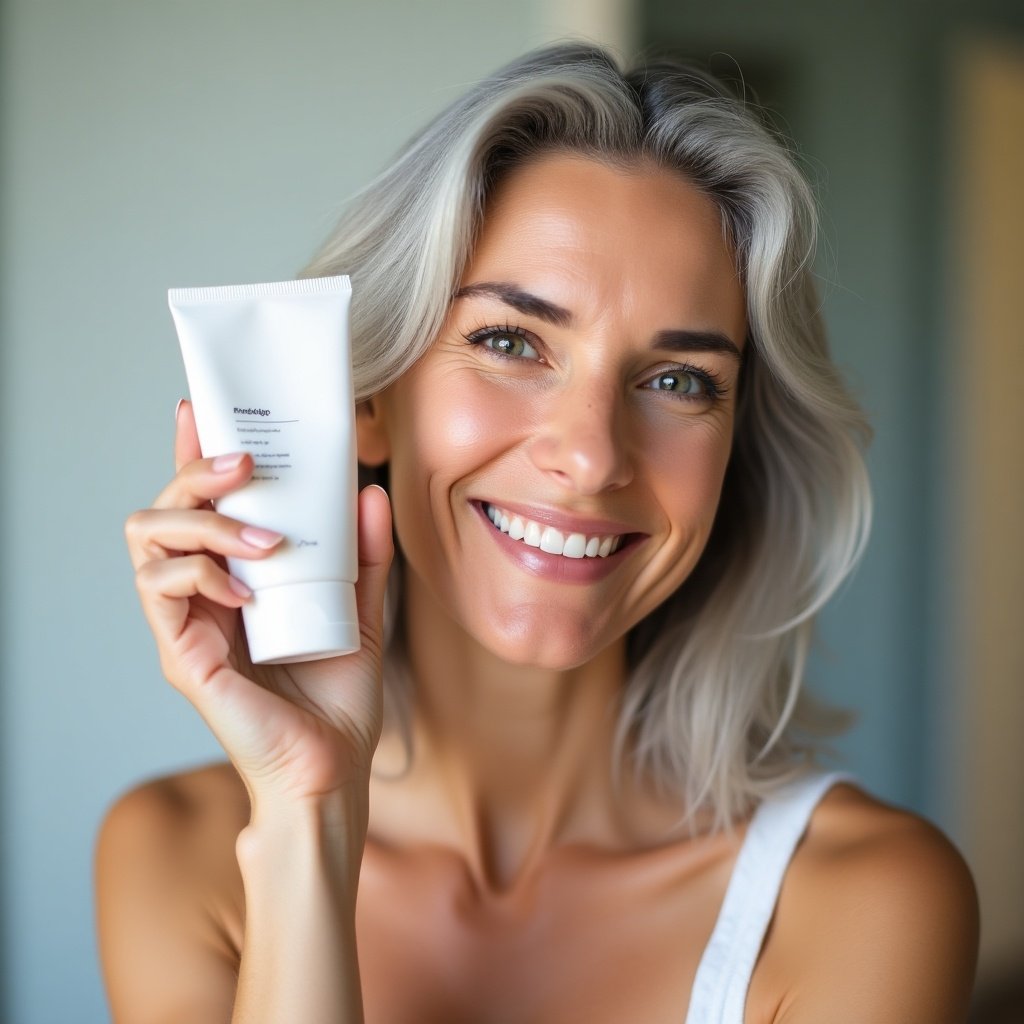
(689, 384)
(510, 345)
(679, 382)
(505, 343)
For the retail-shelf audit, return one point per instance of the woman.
(624, 477)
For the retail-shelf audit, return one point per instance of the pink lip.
(557, 567)
(565, 522)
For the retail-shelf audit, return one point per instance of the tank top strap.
(723, 975)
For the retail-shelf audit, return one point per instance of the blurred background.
(146, 145)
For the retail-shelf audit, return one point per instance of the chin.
(547, 645)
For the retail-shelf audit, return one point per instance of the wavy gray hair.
(713, 708)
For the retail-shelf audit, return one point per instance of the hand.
(294, 732)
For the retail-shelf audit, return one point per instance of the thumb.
(376, 550)
(186, 439)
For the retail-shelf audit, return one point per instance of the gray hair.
(713, 708)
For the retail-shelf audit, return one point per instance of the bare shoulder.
(889, 860)
(852, 830)
(190, 789)
(878, 913)
(169, 896)
(181, 821)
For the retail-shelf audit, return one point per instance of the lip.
(557, 567)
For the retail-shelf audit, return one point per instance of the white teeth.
(547, 538)
(575, 546)
(552, 541)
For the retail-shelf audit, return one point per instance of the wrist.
(299, 862)
(321, 833)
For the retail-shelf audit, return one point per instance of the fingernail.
(239, 587)
(177, 409)
(225, 463)
(260, 538)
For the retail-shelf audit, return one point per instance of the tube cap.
(301, 622)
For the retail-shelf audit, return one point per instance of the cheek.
(464, 420)
(457, 421)
(690, 490)
(445, 428)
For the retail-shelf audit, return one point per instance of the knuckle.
(133, 525)
(207, 573)
(146, 576)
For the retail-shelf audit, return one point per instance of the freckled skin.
(628, 254)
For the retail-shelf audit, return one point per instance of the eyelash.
(715, 387)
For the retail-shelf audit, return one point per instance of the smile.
(550, 540)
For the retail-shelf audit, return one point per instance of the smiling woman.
(623, 476)
(558, 393)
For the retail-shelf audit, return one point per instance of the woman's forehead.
(583, 233)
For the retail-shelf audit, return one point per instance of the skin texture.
(504, 877)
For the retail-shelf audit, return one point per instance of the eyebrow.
(696, 341)
(524, 302)
(677, 340)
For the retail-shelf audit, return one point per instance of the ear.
(372, 441)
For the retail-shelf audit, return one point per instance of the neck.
(510, 762)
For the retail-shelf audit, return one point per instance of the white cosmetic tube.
(269, 369)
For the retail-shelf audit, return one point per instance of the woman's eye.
(681, 382)
(506, 343)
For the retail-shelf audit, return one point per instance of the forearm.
(300, 869)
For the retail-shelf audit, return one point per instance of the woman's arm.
(167, 879)
(300, 869)
(301, 738)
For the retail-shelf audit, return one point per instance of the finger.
(203, 480)
(376, 550)
(186, 438)
(165, 589)
(156, 534)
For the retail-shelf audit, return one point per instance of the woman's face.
(582, 393)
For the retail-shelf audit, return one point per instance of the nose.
(582, 442)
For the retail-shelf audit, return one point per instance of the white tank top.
(723, 975)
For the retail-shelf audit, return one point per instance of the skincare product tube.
(269, 370)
